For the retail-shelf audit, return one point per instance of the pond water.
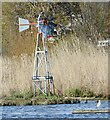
(54, 111)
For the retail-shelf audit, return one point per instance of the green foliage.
(17, 94)
(99, 95)
(75, 93)
(80, 93)
(40, 96)
(87, 93)
(52, 100)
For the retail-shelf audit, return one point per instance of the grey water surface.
(54, 111)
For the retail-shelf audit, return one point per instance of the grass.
(80, 93)
(79, 68)
(74, 65)
(76, 68)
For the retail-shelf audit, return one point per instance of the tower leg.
(41, 76)
(45, 85)
(34, 89)
(40, 86)
(50, 87)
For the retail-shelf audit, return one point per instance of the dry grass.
(1, 77)
(80, 69)
(71, 66)
(17, 73)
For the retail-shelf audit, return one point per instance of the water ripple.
(53, 111)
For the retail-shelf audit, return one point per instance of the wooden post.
(90, 111)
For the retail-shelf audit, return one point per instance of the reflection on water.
(54, 111)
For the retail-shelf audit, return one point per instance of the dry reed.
(71, 66)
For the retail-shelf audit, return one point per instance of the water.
(53, 111)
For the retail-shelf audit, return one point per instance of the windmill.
(42, 79)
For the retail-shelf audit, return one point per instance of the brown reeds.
(74, 66)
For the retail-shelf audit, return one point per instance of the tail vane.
(23, 24)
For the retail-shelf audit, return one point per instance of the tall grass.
(84, 67)
(17, 73)
(74, 65)
(1, 77)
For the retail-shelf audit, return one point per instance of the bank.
(46, 101)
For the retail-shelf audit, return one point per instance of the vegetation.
(80, 67)
(88, 21)
(80, 93)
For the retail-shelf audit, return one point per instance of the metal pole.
(35, 71)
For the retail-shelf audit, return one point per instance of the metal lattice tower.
(42, 79)
(41, 72)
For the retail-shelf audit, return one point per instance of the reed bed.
(73, 66)
(87, 69)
